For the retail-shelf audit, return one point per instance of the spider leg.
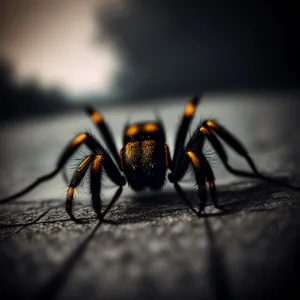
(210, 177)
(193, 152)
(95, 180)
(82, 138)
(203, 172)
(91, 143)
(182, 194)
(105, 132)
(112, 202)
(184, 127)
(200, 175)
(211, 129)
(185, 161)
(95, 185)
(97, 163)
(232, 141)
(30, 187)
(75, 181)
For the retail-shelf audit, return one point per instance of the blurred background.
(57, 55)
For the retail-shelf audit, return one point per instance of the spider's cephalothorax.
(144, 159)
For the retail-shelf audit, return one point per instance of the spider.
(145, 158)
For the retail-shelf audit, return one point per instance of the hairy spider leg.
(101, 159)
(30, 187)
(193, 151)
(82, 138)
(67, 153)
(76, 179)
(95, 161)
(184, 127)
(184, 160)
(95, 186)
(105, 132)
(200, 176)
(112, 202)
(183, 196)
(207, 130)
(211, 129)
(203, 173)
(210, 177)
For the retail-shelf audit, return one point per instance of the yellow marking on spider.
(194, 158)
(147, 151)
(132, 130)
(79, 139)
(97, 163)
(189, 109)
(84, 164)
(70, 193)
(212, 124)
(203, 130)
(150, 127)
(130, 150)
(96, 117)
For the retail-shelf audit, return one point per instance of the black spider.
(145, 159)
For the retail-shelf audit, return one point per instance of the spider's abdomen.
(144, 164)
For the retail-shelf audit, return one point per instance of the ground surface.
(159, 248)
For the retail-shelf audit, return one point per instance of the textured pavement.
(156, 248)
(159, 249)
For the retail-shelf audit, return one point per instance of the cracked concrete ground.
(158, 250)
(157, 247)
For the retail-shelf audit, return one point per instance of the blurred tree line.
(27, 99)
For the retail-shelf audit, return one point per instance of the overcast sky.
(148, 48)
(54, 41)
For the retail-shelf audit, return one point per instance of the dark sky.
(133, 48)
(171, 47)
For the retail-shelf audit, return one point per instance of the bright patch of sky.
(55, 43)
